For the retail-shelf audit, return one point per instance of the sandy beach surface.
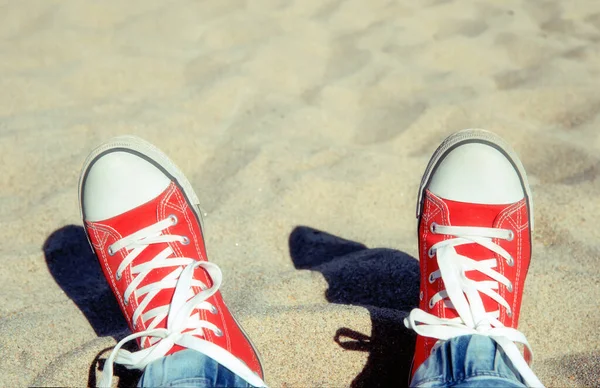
(304, 127)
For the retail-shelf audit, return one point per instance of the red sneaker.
(142, 219)
(475, 222)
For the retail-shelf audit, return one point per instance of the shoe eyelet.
(125, 302)
(431, 279)
(421, 295)
(173, 219)
(213, 310)
(431, 252)
(509, 313)
(118, 276)
(219, 333)
(185, 240)
(110, 251)
(511, 235)
(432, 227)
(511, 262)
(431, 304)
(510, 287)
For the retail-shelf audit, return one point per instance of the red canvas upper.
(171, 202)
(441, 211)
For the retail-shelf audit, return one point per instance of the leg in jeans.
(189, 368)
(475, 223)
(467, 361)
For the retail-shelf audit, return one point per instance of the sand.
(304, 126)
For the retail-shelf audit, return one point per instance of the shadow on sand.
(76, 270)
(384, 281)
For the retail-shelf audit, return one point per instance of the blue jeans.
(468, 361)
(189, 368)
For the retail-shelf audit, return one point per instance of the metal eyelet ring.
(421, 295)
(511, 262)
(125, 302)
(219, 333)
(510, 287)
(185, 240)
(110, 251)
(431, 252)
(431, 304)
(509, 313)
(431, 279)
(173, 219)
(511, 235)
(213, 310)
(432, 227)
(119, 276)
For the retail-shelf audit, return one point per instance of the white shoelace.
(463, 295)
(183, 326)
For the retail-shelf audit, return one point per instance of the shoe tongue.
(475, 215)
(165, 296)
(138, 218)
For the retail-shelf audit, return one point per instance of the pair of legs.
(466, 361)
(474, 207)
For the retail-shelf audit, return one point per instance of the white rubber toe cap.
(118, 182)
(477, 173)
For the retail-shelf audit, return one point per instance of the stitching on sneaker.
(443, 209)
(506, 216)
(101, 240)
(113, 233)
(519, 260)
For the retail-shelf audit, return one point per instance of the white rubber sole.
(475, 136)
